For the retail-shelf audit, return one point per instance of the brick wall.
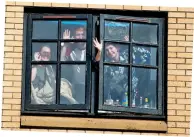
(180, 33)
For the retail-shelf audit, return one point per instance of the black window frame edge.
(149, 14)
(155, 21)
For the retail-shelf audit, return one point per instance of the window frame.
(54, 107)
(130, 20)
(92, 113)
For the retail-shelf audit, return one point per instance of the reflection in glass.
(44, 51)
(72, 84)
(144, 85)
(144, 33)
(73, 29)
(45, 30)
(43, 84)
(115, 85)
(144, 55)
(116, 53)
(73, 51)
(116, 31)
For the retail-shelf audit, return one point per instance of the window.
(61, 75)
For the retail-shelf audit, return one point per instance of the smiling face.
(111, 51)
(45, 53)
(80, 34)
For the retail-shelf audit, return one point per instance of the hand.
(97, 44)
(126, 38)
(66, 34)
(37, 56)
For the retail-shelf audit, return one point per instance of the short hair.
(45, 46)
(113, 44)
(80, 28)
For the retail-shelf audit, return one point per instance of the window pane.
(44, 51)
(73, 29)
(45, 30)
(144, 85)
(73, 51)
(115, 85)
(144, 55)
(116, 53)
(43, 84)
(144, 33)
(116, 31)
(72, 84)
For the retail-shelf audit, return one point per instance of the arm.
(65, 46)
(98, 55)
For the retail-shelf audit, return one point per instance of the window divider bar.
(60, 40)
(130, 64)
(45, 40)
(58, 83)
(130, 69)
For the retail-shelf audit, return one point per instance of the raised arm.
(98, 46)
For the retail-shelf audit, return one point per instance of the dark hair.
(113, 44)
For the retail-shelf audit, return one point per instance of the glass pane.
(43, 84)
(73, 29)
(116, 53)
(144, 33)
(115, 86)
(72, 84)
(45, 30)
(144, 85)
(144, 55)
(73, 51)
(116, 31)
(44, 51)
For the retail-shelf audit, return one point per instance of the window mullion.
(130, 97)
(58, 71)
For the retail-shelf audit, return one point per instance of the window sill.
(93, 123)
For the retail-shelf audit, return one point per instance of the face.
(111, 51)
(45, 54)
(80, 34)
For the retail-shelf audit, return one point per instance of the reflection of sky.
(74, 23)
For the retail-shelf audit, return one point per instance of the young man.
(77, 72)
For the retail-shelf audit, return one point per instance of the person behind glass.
(115, 77)
(43, 81)
(77, 54)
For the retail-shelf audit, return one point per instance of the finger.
(94, 41)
